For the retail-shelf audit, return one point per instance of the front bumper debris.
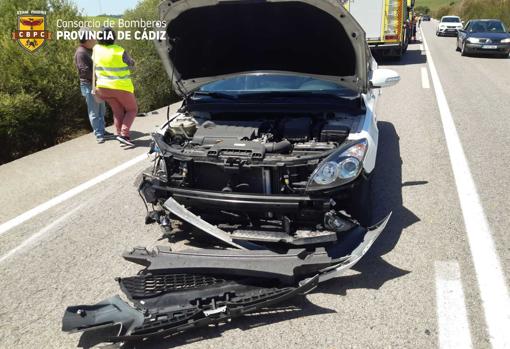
(165, 304)
(288, 266)
(179, 291)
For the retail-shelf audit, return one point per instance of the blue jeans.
(96, 110)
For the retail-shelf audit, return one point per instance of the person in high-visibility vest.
(83, 62)
(113, 82)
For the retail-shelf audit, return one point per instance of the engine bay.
(249, 152)
(253, 135)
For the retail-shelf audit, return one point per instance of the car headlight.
(339, 168)
(473, 40)
(505, 41)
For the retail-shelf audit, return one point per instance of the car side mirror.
(384, 78)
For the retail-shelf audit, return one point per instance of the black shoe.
(125, 140)
(108, 134)
(100, 140)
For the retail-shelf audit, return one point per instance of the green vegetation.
(469, 9)
(433, 5)
(422, 10)
(40, 100)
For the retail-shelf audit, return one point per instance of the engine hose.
(278, 147)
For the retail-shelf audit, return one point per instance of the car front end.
(268, 147)
(481, 46)
(450, 29)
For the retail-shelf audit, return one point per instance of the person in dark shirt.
(83, 62)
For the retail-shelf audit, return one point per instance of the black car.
(484, 36)
(426, 18)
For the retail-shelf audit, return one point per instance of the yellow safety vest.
(111, 71)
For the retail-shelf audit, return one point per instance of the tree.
(40, 100)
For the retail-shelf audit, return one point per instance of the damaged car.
(271, 155)
(276, 140)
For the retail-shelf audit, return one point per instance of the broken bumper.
(164, 306)
(178, 291)
(288, 267)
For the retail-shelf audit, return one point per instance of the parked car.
(426, 18)
(484, 36)
(449, 25)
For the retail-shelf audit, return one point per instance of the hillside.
(433, 4)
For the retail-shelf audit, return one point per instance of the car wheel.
(361, 203)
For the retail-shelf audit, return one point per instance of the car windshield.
(451, 20)
(487, 27)
(263, 83)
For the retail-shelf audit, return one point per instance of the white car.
(449, 25)
(293, 99)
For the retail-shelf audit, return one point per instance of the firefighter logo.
(32, 33)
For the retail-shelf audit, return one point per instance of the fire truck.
(388, 23)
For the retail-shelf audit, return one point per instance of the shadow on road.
(386, 197)
(410, 57)
(137, 141)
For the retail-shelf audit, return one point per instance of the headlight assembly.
(473, 40)
(505, 41)
(327, 173)
(339, 168)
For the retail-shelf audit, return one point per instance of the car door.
(462, 34)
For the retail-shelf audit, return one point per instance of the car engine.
(250, 153)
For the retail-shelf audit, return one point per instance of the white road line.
(32, 239)
(68, 194)
(451, 308)
(425, 78)
(491, 280)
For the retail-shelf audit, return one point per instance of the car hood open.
(209, 40)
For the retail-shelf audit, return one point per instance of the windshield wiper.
(219, 95)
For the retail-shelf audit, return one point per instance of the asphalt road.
(393, 298)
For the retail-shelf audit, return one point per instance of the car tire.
(360, 203)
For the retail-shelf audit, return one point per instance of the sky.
(111, 7)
